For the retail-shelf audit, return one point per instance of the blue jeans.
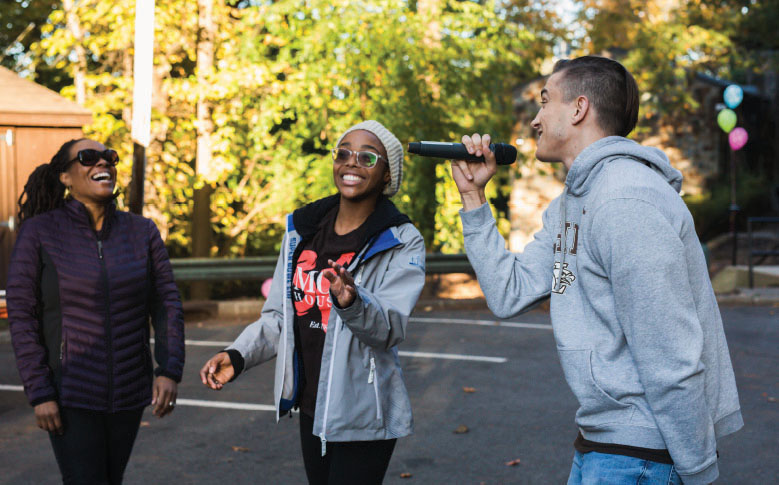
(603, 469)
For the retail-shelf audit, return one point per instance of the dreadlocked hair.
(43, 190)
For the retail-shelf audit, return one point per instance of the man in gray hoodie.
(636, 323)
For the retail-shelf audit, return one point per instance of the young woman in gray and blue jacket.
(349, 274)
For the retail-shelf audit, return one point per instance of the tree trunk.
(80, 66)
(202, 236)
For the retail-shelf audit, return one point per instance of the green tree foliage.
(290, 76)
(665, 42)
(20, 27)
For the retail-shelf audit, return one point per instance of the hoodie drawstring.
(563, 240)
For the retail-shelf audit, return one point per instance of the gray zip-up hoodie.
(361, 393)
(635, 319)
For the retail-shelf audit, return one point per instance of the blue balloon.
(733, 95)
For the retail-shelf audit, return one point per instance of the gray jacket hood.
(587, 164)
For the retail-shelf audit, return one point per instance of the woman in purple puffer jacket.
(84, 281)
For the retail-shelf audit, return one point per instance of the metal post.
(143, 51)
(734, 208)
(749, 253)
(138, 178)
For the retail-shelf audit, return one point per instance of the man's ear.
(582, 108)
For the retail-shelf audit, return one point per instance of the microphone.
(505, 154)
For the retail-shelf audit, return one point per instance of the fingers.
(340, 273)
(214, 380)
(341, 284)
(331, 277)
(489, 155)
(217, 371)
(166, 391)
(485, 143)
(47, 417)
(169, 402)
(464, 168)
(345, 276)
(157, 397)
(477, 145)
(207, 373)
(208, 368)
(468, 142)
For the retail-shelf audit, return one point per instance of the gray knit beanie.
(394, 151)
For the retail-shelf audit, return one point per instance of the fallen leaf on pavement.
(241, 449)
(469, 389)
(144, 424)
(461, 429)
(405, 475)
(513, 462)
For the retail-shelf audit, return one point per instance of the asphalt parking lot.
(499, 386)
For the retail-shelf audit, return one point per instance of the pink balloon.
(265, 290)
(738, 138)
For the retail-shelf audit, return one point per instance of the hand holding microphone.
(473, 163)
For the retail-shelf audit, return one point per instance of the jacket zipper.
(104, 273)
(338, 324)
(373, 380)
(329, 386)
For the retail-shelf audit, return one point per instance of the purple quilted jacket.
(79, 304)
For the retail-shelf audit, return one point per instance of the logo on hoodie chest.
(571, 239)
(562, 276)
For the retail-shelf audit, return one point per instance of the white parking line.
(225, 405)
(189, 402)
(402, 353)
(485, 323)
(430, 355)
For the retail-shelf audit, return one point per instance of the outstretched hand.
(342, 285)
(472, 177)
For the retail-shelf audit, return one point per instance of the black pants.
(346, 463)
(95, 446)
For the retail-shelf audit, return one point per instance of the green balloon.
(726, 120)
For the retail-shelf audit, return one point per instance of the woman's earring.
(68, 188)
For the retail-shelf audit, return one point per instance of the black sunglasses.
(90, 157)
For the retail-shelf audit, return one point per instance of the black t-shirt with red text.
(311, 295)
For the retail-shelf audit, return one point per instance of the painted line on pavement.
(225, 405)
(189, 402)
(485, 323)
(430, 355)
(402, 353)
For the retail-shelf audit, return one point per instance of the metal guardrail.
(752, 251)
(262, 267)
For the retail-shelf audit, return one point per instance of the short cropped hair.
(607, 85)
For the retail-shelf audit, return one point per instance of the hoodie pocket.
(596, 406)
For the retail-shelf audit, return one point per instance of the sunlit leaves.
(288, 78)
